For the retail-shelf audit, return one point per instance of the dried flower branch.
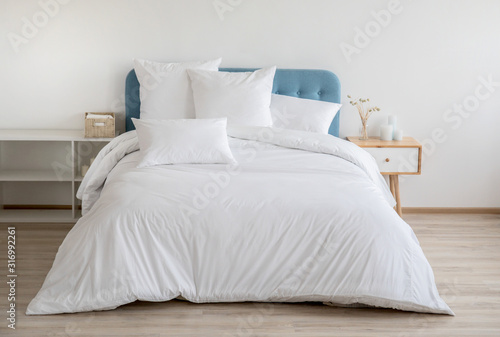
(364, 110)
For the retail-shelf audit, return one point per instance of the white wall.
(427, 59)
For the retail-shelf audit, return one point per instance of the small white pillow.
(183, 141)
(303, 114)
(165, 88)
(243, 98)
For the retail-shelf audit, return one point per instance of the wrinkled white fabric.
(286, 225)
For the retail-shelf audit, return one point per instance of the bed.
(304, 217)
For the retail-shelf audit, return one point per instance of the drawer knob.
(387, 160)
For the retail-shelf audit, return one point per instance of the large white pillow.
(243, 98)
(183, 141)
(303, 114)
(165, 89)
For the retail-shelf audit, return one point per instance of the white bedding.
(303, 217)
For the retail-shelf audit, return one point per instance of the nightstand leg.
(391, 186)
(394, 183)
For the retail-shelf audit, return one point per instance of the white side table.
(39, 167)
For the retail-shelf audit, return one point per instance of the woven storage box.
(100, 128)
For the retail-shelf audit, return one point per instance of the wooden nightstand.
(394, 158)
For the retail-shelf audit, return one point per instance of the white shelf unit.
(40, 174)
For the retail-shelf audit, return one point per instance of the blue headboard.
(319, 85)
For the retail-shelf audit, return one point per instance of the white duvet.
(303, 217)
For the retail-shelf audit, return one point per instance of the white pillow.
(183, 141)
(243, 98)
(165, 88)
(303, 114)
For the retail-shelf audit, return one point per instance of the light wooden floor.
(464, 251)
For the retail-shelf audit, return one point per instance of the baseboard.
(451, 210)
(407, 210)
(20, 207)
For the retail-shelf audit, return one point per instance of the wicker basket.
(100, 128)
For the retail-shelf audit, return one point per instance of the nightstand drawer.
(396, 159)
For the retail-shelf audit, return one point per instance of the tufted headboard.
(319, 85)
